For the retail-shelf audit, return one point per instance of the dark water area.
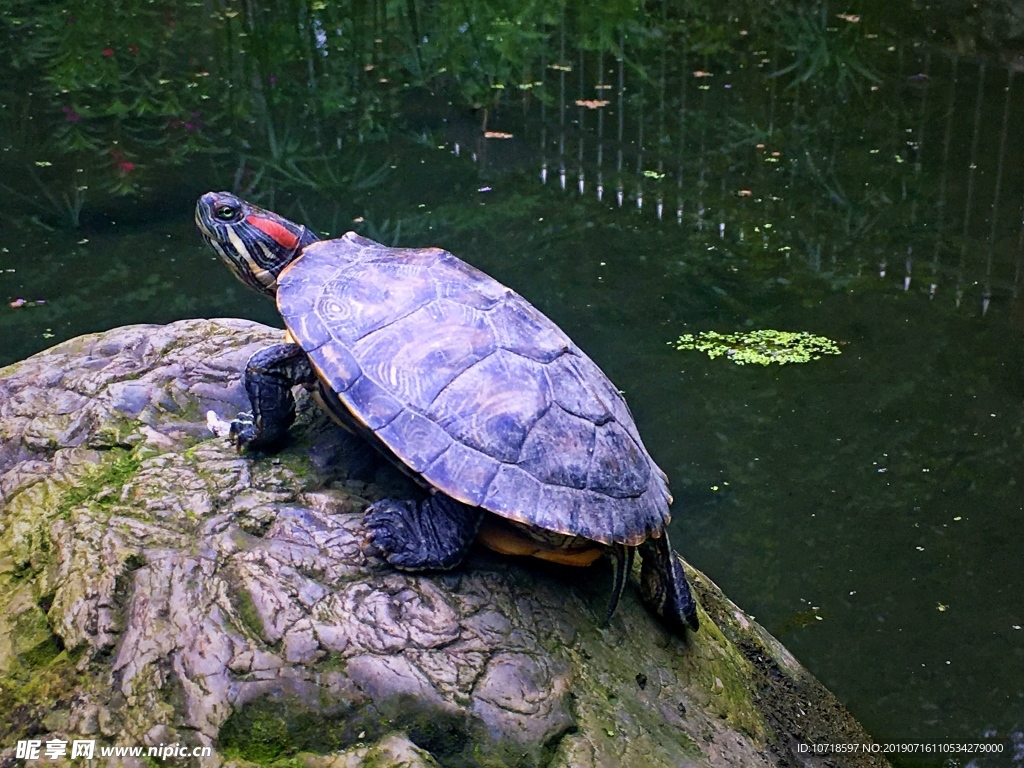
(638, 173)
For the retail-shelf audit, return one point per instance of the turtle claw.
(243, 430)
(240, 431)
(433, 534)
(386, 532)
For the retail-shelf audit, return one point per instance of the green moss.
(259, 733)
(290, 467)
(25, 702)
(191, 411)
(32, 639)
(689, 745)
(42, 653)
(269, 732)
(119, 432)
(272, 731)
(332, 662)
(297, 464)
(727, 678)
(295, 761)
(762, 347)
(245, 608)
(117, 468)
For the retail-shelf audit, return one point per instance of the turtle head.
(256, 244)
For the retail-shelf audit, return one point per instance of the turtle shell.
(472, 388)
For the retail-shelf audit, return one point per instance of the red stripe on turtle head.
(281, 234)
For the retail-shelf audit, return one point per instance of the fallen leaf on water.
(702, 73)
(592, 103)
(497, 135)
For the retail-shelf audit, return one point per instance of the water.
(647, 175)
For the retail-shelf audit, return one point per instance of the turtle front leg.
(433, 534)
(269, 377)
(664, 587)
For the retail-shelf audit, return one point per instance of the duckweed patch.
(761, 347)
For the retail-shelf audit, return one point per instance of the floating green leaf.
(761, 347)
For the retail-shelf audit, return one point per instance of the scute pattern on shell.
(473, 388)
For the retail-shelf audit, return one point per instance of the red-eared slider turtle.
(521, 440)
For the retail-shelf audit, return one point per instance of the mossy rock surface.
(157, 587)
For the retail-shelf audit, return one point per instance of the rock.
(158, 589)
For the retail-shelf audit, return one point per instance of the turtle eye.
(225, 212)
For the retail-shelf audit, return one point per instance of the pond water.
(638, 174)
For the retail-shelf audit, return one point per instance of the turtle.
(516, 436)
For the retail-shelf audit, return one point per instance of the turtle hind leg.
(664, 587)
(269, 377)
(622, 563)
(433, 534)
